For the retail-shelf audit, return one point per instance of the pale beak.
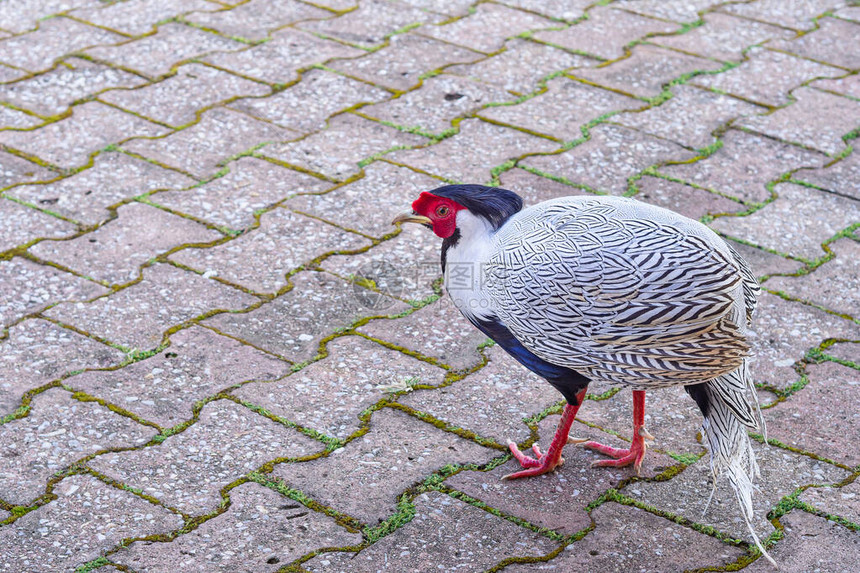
(411, 217)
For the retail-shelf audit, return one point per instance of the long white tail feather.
(733, 389)
(731, 449)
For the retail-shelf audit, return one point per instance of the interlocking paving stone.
(162, 389)
(833, 285)
(449, 7)
(261, 531)
(797, 15)
(359, 206)
(470, 155)
(400, 65)
(567, 10)
(20, 224)
(521, 66)
(203, 147)
(830, 387)
(260, 259)
(255, 20)
(137, 316)
(832, 43)
(114, 252)
(690, 117)
(847, 351)
(782, 333)
(366, 477)
(277, 60)
(437, 330)
(29, 288)
(372, 22)
(68, 143)
(849, 13)
(687, 494)
(63, 535)
(687, 11)
(488, 27)
(299, 106)
(606, 32)
(608, 159)
(799, 220)
(647, 70)
(25, 15)
(86, 195)
(231, 201)
(9, 74)
(816, 120)
(688, 201)
(156, 55)
(540, 114)
(517, 394)
(178, 100)
(843, 501)
(743, 165)
(16, 119)
(57, 431)
(293, 324)
(839, 177)
(137, 17)
(441, 522)
(847, 85)
(812, 543)
(629, 538)
(767, 76)
(227, 442)
(440, 99)
(404, 267)
(53, 92)
(36, 352)
(328, 395)
(14, 170)
(333, 5)
(555, 500)
(723, 37)
(337, 150)
(36, 51)
(763, 262)
(534, 188)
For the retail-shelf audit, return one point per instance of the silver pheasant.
(604, 288)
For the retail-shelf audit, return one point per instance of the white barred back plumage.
(620, 291)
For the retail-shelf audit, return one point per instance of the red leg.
(636, 451)
(543, 463)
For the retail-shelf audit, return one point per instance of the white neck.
(466, 262)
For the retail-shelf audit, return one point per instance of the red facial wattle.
(440, 210)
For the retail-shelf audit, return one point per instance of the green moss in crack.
(92, 565)
(404, 514)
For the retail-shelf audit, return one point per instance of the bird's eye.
(441, 211)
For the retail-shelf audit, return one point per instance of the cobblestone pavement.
(218, 355)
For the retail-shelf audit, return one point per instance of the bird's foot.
(540, 464)
(623, 456)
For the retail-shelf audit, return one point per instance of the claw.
(546, 462)
(577, 440)
(540, 469)
(646, 434)
(538, 465)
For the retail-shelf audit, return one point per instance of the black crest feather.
(494, 204)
